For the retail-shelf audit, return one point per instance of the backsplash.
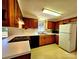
(18, 31)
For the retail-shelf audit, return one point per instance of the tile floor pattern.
(51, 51)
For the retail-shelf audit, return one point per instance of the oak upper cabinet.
(30, 23)
(46, 39)
(5, 21)
(33, 23)
(12, 13)
(26, 24)
(56, 25)
(49, 25)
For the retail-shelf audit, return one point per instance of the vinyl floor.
(51, 51)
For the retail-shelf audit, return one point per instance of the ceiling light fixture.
(51, 12)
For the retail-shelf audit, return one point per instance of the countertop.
(30, 34)
(14, 49)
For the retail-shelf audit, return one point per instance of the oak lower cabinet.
(27, 56)
(42, 40)
(46, 39)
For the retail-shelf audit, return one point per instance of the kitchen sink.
(18, 39)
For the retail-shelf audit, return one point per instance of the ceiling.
(33, 8)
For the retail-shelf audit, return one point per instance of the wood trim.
(27, 18)
(67, 19)
(26, 56)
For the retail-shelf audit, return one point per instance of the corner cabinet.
(12, 13)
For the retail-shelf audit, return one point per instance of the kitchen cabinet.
(30, 23)
(65, 21)
(26, 24)
(50, 25)
(56, 25)
(42, 40)
(5, 16)
(5, 21)
(11, 14)
(26, 56)
(33, 23)
(46, 39)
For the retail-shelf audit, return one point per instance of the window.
(41, 26)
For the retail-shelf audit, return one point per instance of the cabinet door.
(57, 39)
(49, 39)
(42, 40)
(56, 25)
(49, 25)
(35, 23)
(30, 23)
(5, 20)
(46, 39)
(12, 13)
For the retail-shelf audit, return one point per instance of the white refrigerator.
(67, 36)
